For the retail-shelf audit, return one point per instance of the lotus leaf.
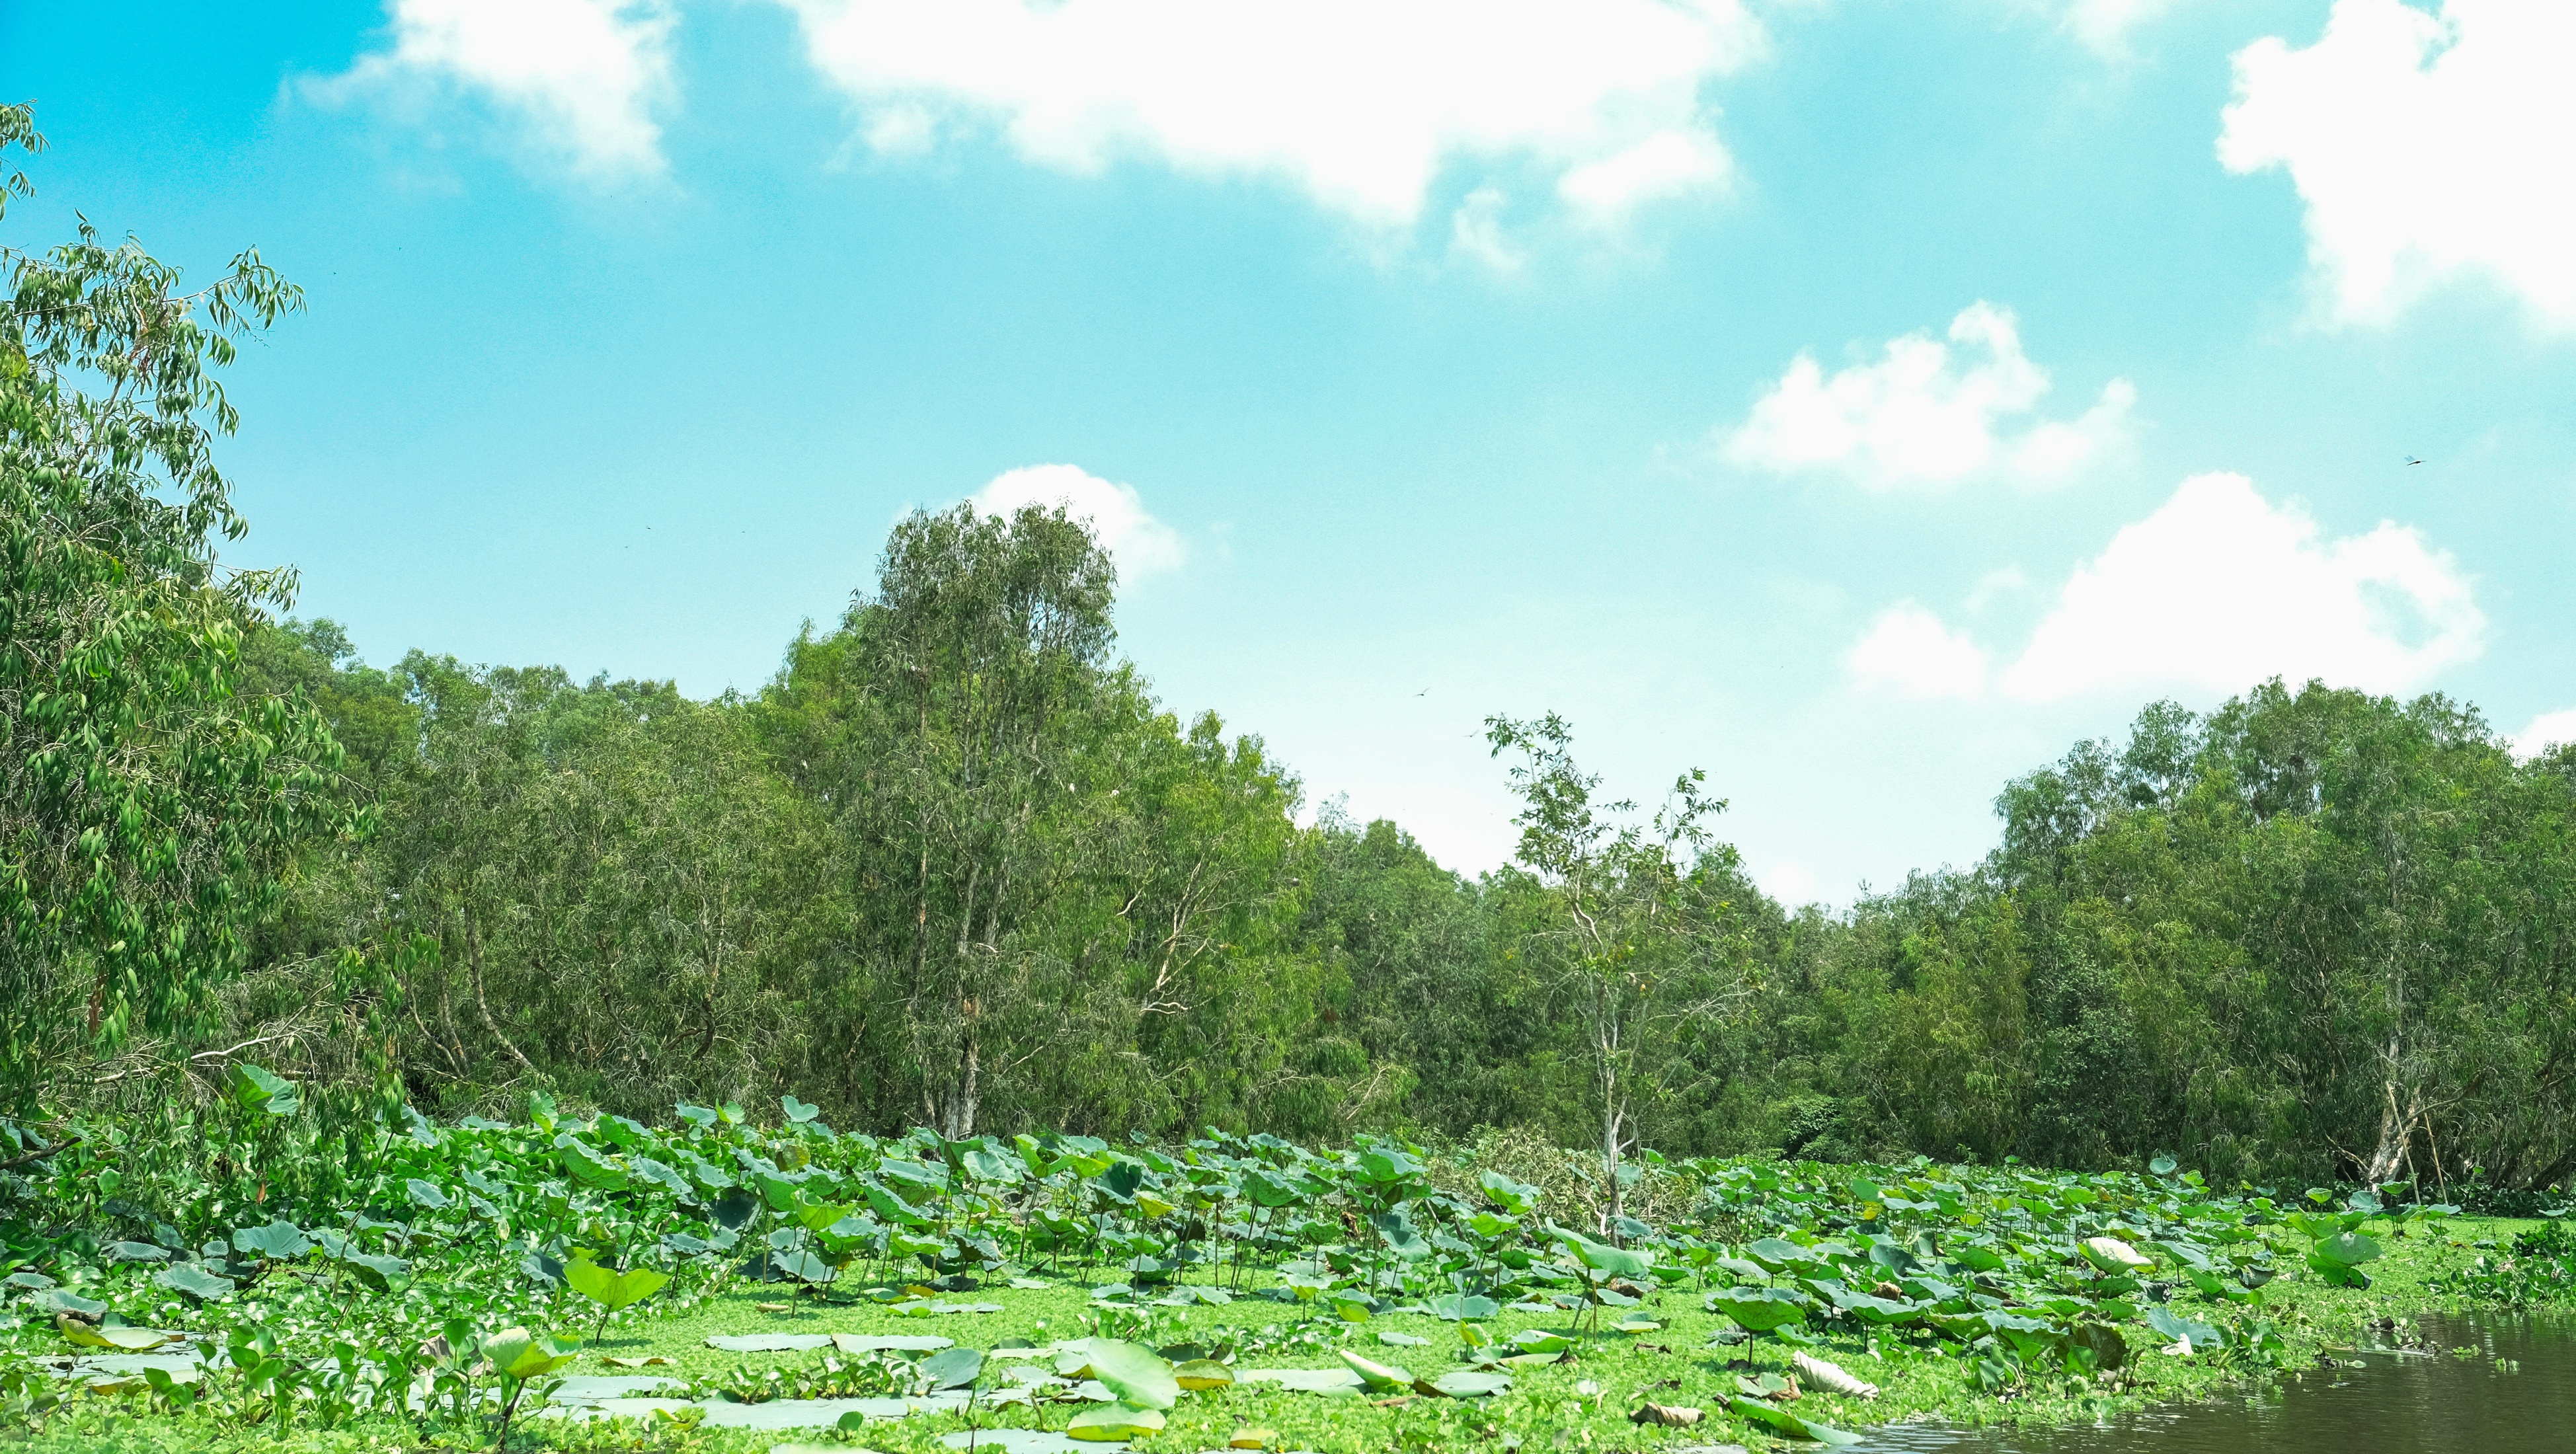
(1772, 1416)
(2348, 1248)
(516, 1353)
(1758, 1309)
(1463, 1383)
(953, 1368)
(1201, 1374)
(195, 1281)
(278, 1242)
(1375, 1374)
(2113, 1255)
(1113, 1422)
(613, 1290)
(1137, 1375)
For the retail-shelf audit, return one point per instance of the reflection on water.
(2395, 1403)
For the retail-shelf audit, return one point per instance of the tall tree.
(147, 812)
(951, 724)
(1646, 947)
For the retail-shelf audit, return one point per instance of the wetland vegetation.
(390, 1054)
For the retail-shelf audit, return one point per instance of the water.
(2395, 1403)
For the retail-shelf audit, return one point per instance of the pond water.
(2393, 1403)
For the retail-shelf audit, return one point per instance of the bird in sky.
(2410, 459)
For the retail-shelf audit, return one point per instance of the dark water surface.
(2394, 1403)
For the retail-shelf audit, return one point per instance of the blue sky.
(1862, 401)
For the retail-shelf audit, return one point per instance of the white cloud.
(1359, 102)
(1908, 651)
(1922, 417)
(2104, 26)
(2427, 149)
(1476, 229)
(2548, 730)
(2216, 591)
(1140, 543)
(585, 75)
(2220, 589)
(1791, 883)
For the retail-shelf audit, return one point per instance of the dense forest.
(956, 865)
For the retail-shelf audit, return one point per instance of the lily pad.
(1113, 1422)
(195, 1281)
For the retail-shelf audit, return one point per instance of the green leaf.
(2194, 1336)
(423, 1194)
(798, 1112)
(1465, 1384)
(1110, 1423)
(1601, 1257)
(1201, 1374)
(2348, 1248)
(256, 1088)
(613, 1290)
(1758, 1309)
(953, 1367)
(591, 1169)
(278, 1242)
(2113, 1255)
(1375, 1374)
(195, 1281)
(1139, 1376)
(516, 1353)
(383, 1274)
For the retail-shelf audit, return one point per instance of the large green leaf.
(1771, 1415)
(1376, 1374)
(1139, 1376)
(256, 1088)
(277, 1242)
(516, 1353)
(1112, 1423)
(2348, 1248)
(953, 1367)
(613, 1290)
(1604, 1258)
(195, 1281)
(1758, 1309)
(591, 1169)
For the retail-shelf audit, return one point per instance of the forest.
(956, 865)
(447, 1053)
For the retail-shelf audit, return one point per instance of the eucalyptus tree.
(952, 726)
(626, 901)
(1642, 938)
(147, 812)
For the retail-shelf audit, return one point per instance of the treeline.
(956, 866)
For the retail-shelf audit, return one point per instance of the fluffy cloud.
(2548, 730)
(585, 75)
(1924, 416)
(2215, 591)
(1359, 102)
(2104, 25)
(1909, 652)
(1140, 543)
(2427, 148)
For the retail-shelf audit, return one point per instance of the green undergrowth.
(465, 1267)
(1693, 1361)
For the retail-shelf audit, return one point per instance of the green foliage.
(148, 810)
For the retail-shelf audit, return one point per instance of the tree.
(1647, 949)
(147, 810)
(952, 725)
